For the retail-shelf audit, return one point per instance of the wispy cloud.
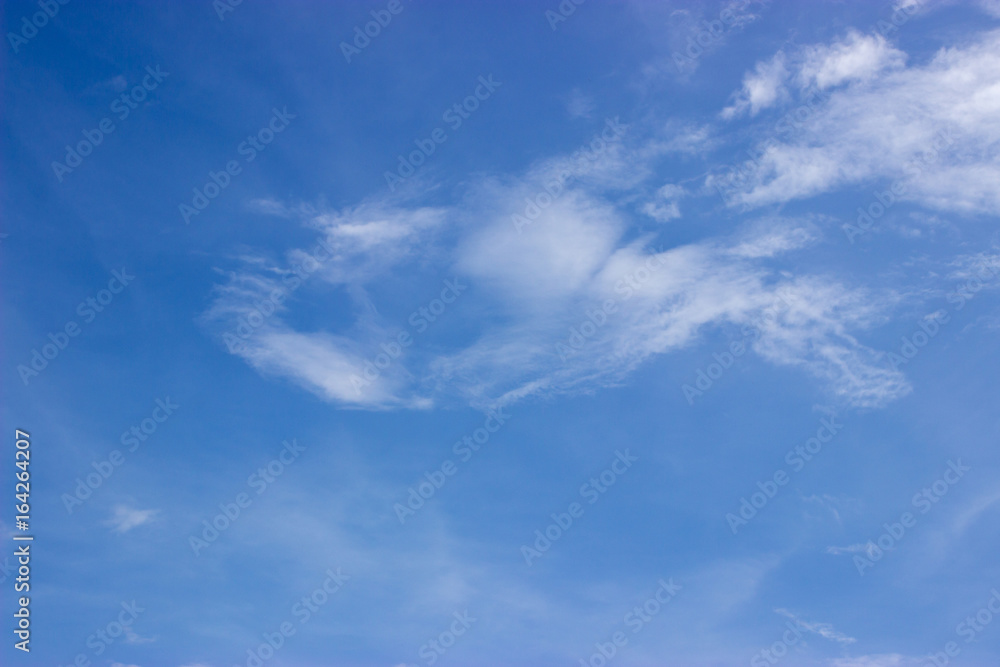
(762, 88)
(126, 518)
(824, 630)
(856, 57)
(580, 105)
(867, 548)
(540, 281)
(665, 206)
(941, 143)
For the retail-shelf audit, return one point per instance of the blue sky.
(632, 333)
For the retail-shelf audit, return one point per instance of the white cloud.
(867, 548)
(981, 266)
(690, 31)
(857, 57)
(662, 211)
(269, 207)
(762, 88)
(541, 284)
(931, 129)
(834, 505)
(553, 258)
(665, 207)
(824, 630)
(991, 7)
(533, 285)
(371, 238)
(671, 191)
(133, 637)
(686, 139)
(971, 513)
(331, 366)
(126, 518)
(694, 287)
(119, 83)
(580, 105)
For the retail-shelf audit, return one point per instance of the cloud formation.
(570, 298)
(127, 518)
(930, 129)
